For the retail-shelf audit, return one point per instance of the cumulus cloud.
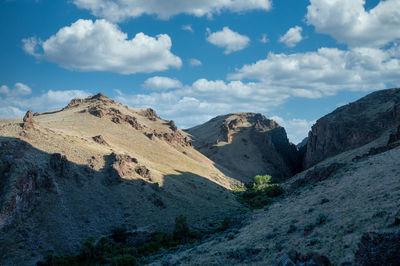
(292, 36)
(119, 10)
(102, 46)
(203, 99)
(349, 22)
(228, 39)
(161, 83)
(15, 102)
(19, 89)
(195, 62)
(296, 129)
(325, 72)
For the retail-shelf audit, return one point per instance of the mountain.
(350, 217)
(246, 144)
(353, 125)
(342, 210)
(95, 165)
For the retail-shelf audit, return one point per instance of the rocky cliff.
(353, 125)
(247, 144)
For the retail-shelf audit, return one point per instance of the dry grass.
(328, 217)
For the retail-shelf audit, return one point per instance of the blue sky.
(293, 61)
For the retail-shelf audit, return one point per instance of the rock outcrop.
(378, 249)
(247, 144)
(28, 120)
(353, 125)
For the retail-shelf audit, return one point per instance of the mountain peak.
(99, 97)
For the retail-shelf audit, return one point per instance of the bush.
(122, 260)
(259, 193)
(181, 230)
(261, 180)
(119, 234)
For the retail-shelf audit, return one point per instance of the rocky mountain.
(246, 144)
(342, 211)
(353, 125)
(95, 165)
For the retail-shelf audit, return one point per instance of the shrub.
(181, 230)
(259, 193)
(261, 180)
(122, 260)
(119, 234)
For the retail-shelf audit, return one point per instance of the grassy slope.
(82, 207)
(360, 197)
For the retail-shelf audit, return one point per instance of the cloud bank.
(119, 10)
(102, 46)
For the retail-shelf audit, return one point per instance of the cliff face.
(353, 125)
(247, 144)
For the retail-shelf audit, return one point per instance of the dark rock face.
(315, 175)
(73, 103)
(59, 163)
(122, 165)
(96, 112)
(28, 120)
(353, 125)
(150, 114)
(99, 139)
(379, 249)
(247, 144)
(20, 181)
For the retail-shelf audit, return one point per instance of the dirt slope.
(246, 144)
(326, 210)
(95, 165)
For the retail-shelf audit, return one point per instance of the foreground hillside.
(246, 144)
(95, 165)
(326, 210)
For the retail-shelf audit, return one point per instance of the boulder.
(28, 120)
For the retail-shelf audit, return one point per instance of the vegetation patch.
(260, 193)
(116, 248)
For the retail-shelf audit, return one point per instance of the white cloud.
(195, 62)
(187, 28)
(102, 46)
(324, 72)
(16, 104)
(119, 10)
(161, 83)
(11, 112)
(228, 39)
(292, 36)
(19, 89)
(349, 22)
(264, 38)
(296, 129)
(204, 99)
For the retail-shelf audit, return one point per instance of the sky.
(292, 60)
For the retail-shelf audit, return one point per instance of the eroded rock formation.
(353, 125)
(247, 144)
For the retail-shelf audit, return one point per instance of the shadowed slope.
(247, 144)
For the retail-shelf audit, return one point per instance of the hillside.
(353, 125)
(326, 212)
(246, 144)
(96, 165)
